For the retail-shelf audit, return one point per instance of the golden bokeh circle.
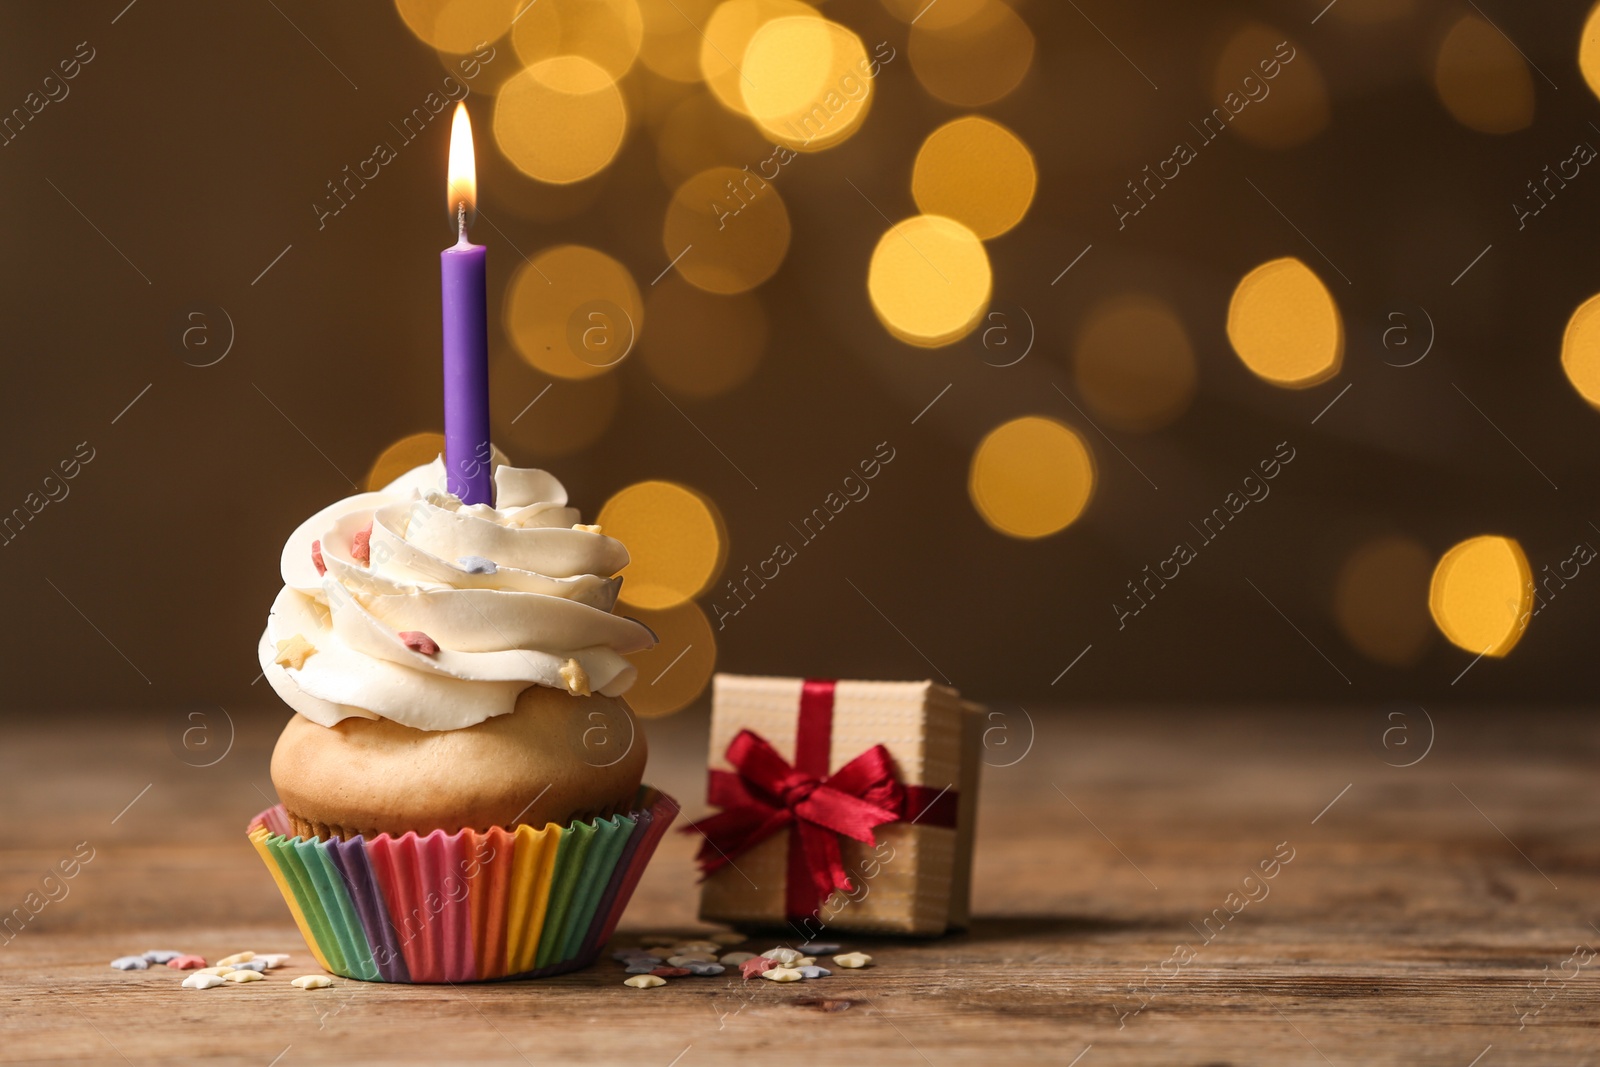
(1380, 599)
(701, 345)
(674, 673)
(929, 280)
(457, 26)
(672, 37)
(573, 312)
(606, 32)
(1031, 477)
(1133, 362)
(677, 542)
(405, 454)
(977, 172)
(1481, 596)
(1589, 50)
(975, 60)
(805, 81)
(727, 230)
(561, 120)
(1284, 325)
(1580, 350)
(727, 35)
(1285, 110)
(1481, 78)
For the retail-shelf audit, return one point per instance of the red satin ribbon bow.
(767, 795)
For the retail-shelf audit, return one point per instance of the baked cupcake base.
(465, 907)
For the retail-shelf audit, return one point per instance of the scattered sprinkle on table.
(161, 955)
(818, 948)
(218, 970)
(242, 976)
(757, 965)
(782, 974)
(852, 960)
(782, 955)
(186, 963)
(312, 981)
(236, 958)
(733, 959)
(274, 959)
(131, 963)
(670, 972)
(202, 981)
(705, 970)
(251, 965)
(815, 972)
(645, 981)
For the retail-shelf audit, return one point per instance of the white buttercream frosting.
(511, 594)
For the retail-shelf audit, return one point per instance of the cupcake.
(459, 736)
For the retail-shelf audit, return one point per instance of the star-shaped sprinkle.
(316, 557)
(293, 652)
(576, 677)
(361, 545)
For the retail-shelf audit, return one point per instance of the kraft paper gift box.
(823, 785)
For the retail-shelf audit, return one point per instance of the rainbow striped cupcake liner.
(463, 907)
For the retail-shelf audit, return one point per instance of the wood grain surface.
(1439, 913)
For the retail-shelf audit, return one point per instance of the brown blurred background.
(179, 173)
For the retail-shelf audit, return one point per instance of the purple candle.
(466, 333)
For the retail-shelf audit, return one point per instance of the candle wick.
(461, 221)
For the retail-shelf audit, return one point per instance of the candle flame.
(462, 192)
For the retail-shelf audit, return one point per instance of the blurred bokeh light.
(573, 312)
(560, 120)
(676, 540)
(805, 82)
(1481, 79)
(727, 36)
(726, 230)
(1031, 477)
(457, 26)
(1380, 599)
(405, 454)
(608, 33)
(1580, 350)
(677, 670)
(1270, 88)
(1481, 596)
(977, 172)
(929, 280)
(1133, 362)
(1285, 326)
(973, 55)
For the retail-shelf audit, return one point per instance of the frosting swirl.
(405, 604)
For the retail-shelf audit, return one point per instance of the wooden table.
(1441, 913)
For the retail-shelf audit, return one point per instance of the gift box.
(842, 805)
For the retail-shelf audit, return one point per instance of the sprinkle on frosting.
(594, 529)
(316, 557)
(576, 677)
(293, 651)
(477, 565)
(417, 641)
(361, 545)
